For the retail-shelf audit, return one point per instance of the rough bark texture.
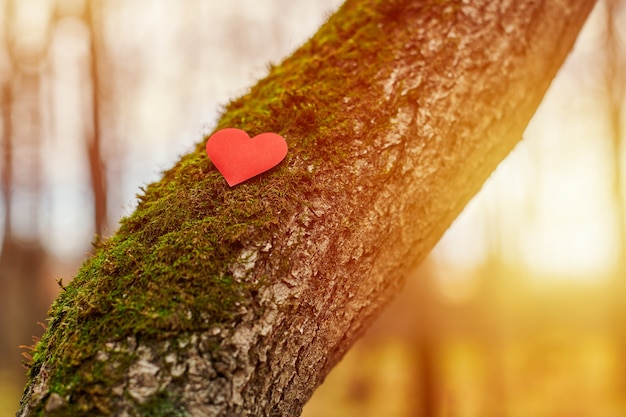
(218, 301)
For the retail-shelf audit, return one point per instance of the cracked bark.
(453, 94)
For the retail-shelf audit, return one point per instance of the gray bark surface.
(424, 110)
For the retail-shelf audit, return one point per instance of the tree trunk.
(219, 301)
(97, 166)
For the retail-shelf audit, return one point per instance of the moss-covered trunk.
(219, 301)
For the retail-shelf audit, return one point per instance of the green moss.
(166, 270)
(161, 405)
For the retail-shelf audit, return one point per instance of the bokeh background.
(519, 311)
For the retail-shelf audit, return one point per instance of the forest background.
(517, 311)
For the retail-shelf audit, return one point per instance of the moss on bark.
(167, 270)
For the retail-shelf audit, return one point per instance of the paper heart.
(239, 157)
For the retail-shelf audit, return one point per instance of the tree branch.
(219, 301)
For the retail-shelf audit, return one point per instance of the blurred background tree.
(518, 311)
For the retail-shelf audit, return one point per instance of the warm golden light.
(518, 312)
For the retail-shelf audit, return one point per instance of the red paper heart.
(239, 157)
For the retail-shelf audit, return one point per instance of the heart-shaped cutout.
(239, 157)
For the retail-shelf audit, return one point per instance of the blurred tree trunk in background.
(615, 93)
(6, 106)
(7, 152)
(22, 257)
(615, 79)
(216, 301)
(97, 167)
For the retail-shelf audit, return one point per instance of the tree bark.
(219, 301)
